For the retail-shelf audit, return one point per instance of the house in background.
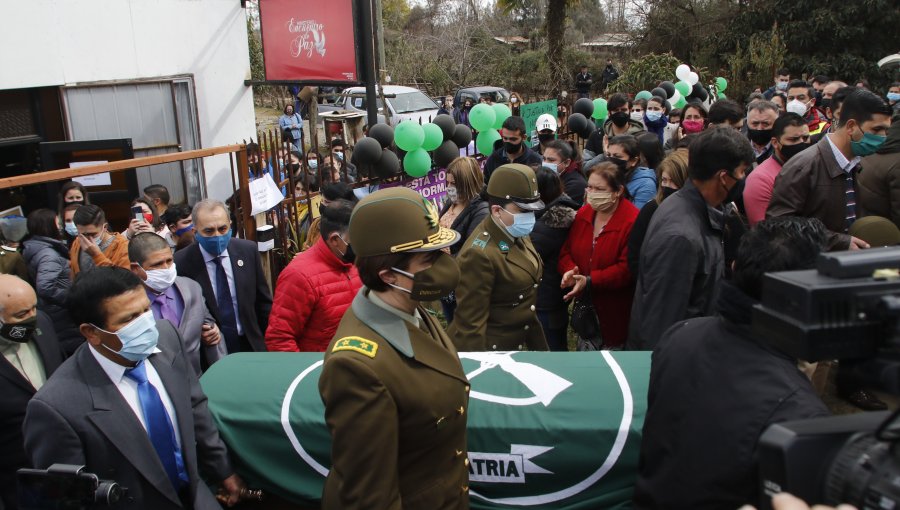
(167, 74)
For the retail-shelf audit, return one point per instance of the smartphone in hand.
(137, 212)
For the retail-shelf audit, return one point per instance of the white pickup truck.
(404, 103)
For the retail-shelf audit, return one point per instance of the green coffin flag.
(546, 430)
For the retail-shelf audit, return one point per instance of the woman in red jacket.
(595, 255)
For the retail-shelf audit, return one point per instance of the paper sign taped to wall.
(264, 194)
(91, 180)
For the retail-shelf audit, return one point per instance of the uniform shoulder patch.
(479, 243)
(503, 246)
(356, 344)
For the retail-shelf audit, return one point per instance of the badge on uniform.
(479, 243)
(240, 263)
(356, 344)
(503, 246)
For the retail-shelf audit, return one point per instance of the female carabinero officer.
(394, 390)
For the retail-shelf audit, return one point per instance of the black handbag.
(585, 322)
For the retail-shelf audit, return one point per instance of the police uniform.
(497, 295)
(395, 394)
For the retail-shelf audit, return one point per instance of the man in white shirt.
(128, 406)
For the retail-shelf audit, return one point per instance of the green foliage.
(645, 73)
(750, 64)
(257, 68)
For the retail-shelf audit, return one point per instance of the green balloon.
(409, 135)
(681, 102)
(417, 163)
(644, 94)
(434, 136)
(485, 141)
(721, 83)
(501, 112)
(684, 88)
(482, 117)
(722, 95)
(600, 109)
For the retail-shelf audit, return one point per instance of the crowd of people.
(665, 221)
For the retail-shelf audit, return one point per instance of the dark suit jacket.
(253, 294)
(17, 391)
(79, 417)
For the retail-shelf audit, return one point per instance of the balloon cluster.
(487, 120)
(443, 137)
(583, 110)
(678, 93)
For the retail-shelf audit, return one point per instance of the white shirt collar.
(208, 257)
(113, 370)
(842, 161)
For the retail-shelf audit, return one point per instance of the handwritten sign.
(433, 186)
(264, 194)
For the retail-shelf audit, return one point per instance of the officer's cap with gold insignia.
(516, 182)
(397, 220)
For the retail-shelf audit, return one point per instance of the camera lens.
(862, 474)
(108, 493)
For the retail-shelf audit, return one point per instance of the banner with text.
(546, 430)
(309, 40)
(530, 113)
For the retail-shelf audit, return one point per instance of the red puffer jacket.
(311, 296)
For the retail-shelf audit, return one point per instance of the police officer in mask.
(394, 391)
(496, 300)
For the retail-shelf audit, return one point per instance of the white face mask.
(160, 279)
(638, 116)
(796, 106)
(452, 194)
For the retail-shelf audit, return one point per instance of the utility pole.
(367, 57)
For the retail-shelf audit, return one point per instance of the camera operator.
(715, 386)
(128, 406)
(30, 353)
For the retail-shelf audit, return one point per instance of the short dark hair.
(725, 110)
(821, 79)
(176, 213)
(369, 267)
(628, 143)
(861, 105)
(617, 101)
(337, 191)
(611, 174)
(549, 184)
(796, 84)
(784, 71)
(337, 142)
(42, 222)
(514, 123)
(335, 217)
(784, 243)
(565, 148)
(782, 123)
(157, 191)
(89, 215)
(143, 244)
(840, 95)
(718, 149)
(87, 296)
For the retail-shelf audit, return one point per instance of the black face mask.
(348, 256)
(825, 103)
(20, 331)
(759, 136)
(620, 119)
(512, 148)
(735, 192)
(294, 167)
(789, 151)
(818, 98)
(620, 163)
(544, 138)
(667, 192)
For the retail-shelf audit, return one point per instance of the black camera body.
(849, 308)
(65, 486)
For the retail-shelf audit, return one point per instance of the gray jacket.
(680, 267)
(80, 417)
(193, 318)
(48, 266)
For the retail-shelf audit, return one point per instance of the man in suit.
(230, 273)
(176, 299)
(127, 406)
(30, 353)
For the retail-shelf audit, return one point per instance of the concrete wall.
(64, 42)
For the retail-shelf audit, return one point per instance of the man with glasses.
(95, 245)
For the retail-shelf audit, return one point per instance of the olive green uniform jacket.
(396, 400)
(497, 293)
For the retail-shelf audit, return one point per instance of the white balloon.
(674, 99)
(692, 78)
(682, 72)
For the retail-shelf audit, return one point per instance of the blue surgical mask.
(339, 156)
(313, 164)
(550, 166)
(139, 337)
(215, 245)
(71, 229)
(654, 116)
(893, 96)
(523, 223)
(782, 85)
(182, 231)
(868, 144)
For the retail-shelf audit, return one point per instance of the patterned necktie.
(225, 303)
(159, 426)
(850, 193)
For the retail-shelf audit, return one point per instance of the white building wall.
(64, 42)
